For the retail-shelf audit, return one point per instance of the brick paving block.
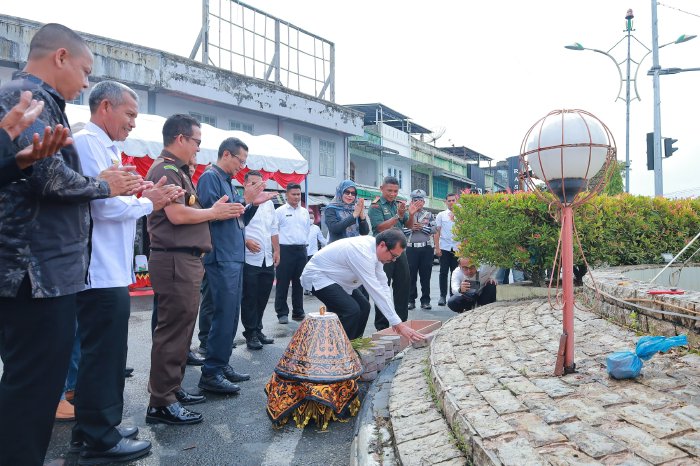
(566, 455)
(519, 452)
(589, 440)
(503, 401)
(692, 360)
(553, 386)
(654, 422)
(409, 407)
(660, 383)
(416, 427)
(689, 443)
(533, 428)
(644, 395)
(690, 414)
(450, 375)
(642, 443)
(428, 450)
(587, 410)
(501, 369)
(520, 385)
(486, 422)
(687, 394)
(545, 407)
(600, 393)
(451, 462)
(483, 382)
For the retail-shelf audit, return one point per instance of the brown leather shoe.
(65, 412)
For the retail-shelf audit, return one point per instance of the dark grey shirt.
(45, 217)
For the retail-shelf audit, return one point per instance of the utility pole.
(658, 172)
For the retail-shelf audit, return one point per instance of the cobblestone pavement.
(492, 370)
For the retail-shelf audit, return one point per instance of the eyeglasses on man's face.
(196, 141)
(243, 162)
(393, 255)
(350, 193)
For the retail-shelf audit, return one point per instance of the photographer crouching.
(471, 286)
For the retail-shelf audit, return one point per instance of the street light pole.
(658, 172)
(629, 29)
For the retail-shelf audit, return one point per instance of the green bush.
(517, 230)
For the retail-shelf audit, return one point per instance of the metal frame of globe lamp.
(567, 199)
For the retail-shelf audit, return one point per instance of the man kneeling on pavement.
(472, 286)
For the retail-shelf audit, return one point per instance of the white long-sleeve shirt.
(352, 262)
(315, 237)
(445, 220)
(114, 219)
(261, 229)
(293, 224)
(483, 274)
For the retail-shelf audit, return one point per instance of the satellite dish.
(435, 135)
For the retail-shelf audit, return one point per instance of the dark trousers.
(103, 327)
(226, 285)
(206, 311)
(176, 278)
(420, 263)
(352, 310)
(448, 262)
(292, 262)
(36, 339)
(465, 302)
(257, 285)
(399, 280)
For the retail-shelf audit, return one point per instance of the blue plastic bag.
(628, 365)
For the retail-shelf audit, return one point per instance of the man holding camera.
(472, 286)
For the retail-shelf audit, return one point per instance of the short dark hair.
(233, 145)
(390, 180)
(291, 186)
(53, 36)
(391, 238)
(176, 125)
(111, 91)
(250, 173)
(450, 195)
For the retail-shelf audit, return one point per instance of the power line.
(678, 9)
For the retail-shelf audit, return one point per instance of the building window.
(303, 145)
(208, 119)
(440, 187)
(352, 171)
(458, 187)
(420, 181)
(398, 174)
(235, 125)
(326, 158)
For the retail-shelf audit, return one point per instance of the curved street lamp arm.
(617, 65)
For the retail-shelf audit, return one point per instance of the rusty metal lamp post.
(564, 150)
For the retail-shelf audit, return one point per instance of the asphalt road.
(236, 429)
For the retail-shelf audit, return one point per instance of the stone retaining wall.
(622, 300)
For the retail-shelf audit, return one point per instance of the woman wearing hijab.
(345, 216)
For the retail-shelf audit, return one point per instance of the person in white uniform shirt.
(472, 286)
(336, 272)
(445, 245)
(294, 225)
(262, 254)
(103, 309)
(315, 237)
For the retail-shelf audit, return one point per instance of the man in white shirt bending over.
(335, 273)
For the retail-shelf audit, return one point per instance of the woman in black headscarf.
(345, 215)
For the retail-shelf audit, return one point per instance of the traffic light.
(650, 151)
(668, 146)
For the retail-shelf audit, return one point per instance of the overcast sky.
(484, 70)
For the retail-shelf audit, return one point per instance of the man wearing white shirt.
(472, 286)
(262, 254)
(103, 309)
(293, 222)
(445, 245)
(315, 238)
(336, 272)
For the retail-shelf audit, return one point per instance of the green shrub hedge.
(516, 230)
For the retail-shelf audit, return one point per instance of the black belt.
(191, 251)
(293, 245)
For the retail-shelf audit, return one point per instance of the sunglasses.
(350, 193)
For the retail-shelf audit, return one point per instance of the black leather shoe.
(426, 306)
(174, 414)
(125, 450)
(77, 444)
(442, 301)
(298, 317)
(264, 340)
(253, 343)
(128, 371)
(283, 319)
(194, 359)
(218, 384)
(187, 399)
(234, 376)
(411, 305)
